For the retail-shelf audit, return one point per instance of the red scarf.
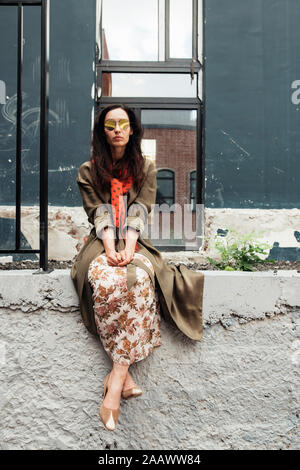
(117, 189)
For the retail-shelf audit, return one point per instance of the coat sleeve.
(99, 213)
(139, 210)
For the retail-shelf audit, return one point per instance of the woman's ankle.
(120, 370)
(117, 378)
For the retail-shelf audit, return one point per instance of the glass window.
(130, 30)
(175, 134)
(149, 148)
(181, 28)
(148, 85)
(165, 187)
(172, 119)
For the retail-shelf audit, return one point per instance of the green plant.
(239, 252)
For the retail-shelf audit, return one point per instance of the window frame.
(194, 33)
(168, 61)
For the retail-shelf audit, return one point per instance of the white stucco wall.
(239, 388)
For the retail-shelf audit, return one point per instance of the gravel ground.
(52, 264)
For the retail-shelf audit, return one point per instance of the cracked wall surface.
(236, 389)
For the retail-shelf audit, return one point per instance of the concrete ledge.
(246, 295)
(237, 389)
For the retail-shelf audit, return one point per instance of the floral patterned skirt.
(128, 321)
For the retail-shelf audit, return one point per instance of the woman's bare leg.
(115, 385)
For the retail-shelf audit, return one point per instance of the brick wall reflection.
(176, 150)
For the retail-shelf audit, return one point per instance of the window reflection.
(148, 85)
(149, 148)
(193, 190)
(181, 28)
(130, 29)
(165, 187)
(175, 134)
(172, 119)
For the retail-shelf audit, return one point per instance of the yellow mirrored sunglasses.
(110, 124)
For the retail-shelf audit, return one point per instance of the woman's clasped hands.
(123, 257)
(115, 258)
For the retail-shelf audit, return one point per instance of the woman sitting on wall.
(123, 284)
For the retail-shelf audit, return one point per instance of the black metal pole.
(44, 135)
(19, 126)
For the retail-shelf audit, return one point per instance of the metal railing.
(44, 106)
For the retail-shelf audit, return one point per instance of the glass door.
(170, 139)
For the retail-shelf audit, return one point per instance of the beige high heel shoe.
(132, 393)
(109, 416)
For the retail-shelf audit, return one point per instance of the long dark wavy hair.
(101, 157)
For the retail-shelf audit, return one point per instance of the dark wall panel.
(72, 78)
(252, 124)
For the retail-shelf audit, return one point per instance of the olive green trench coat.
(180, 289)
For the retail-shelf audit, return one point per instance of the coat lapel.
(104, 195)
(132, 193)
